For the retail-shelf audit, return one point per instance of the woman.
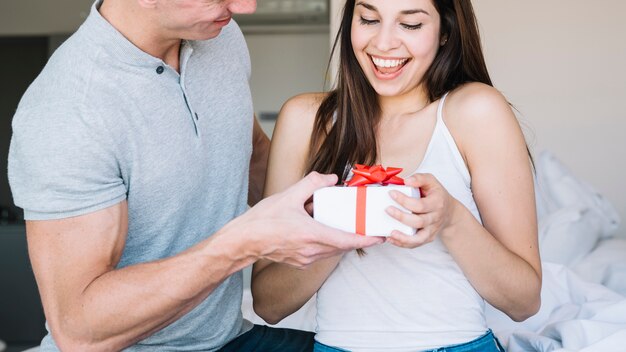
(413, 92)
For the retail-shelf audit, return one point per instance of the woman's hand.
(428, 215)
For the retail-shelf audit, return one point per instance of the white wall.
(285, 63)
(562, 64)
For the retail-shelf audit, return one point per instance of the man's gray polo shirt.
(105, 122)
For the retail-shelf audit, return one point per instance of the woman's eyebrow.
(414, 11)
(367, 6)
(403, 12)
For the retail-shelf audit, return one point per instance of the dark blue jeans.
(485, 343)
(263, 338)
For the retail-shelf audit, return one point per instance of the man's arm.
(258, 163)
(92, 306)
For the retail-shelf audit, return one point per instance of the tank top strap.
(440, 108)
(452, 148)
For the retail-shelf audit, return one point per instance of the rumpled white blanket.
(575, 315)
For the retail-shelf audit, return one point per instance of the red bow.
(367, 175)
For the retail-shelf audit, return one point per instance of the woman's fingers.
(425, 182)
(413, 220)
(425, 214)
(415, 205)
(420, 238)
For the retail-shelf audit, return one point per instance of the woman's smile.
(388, 68)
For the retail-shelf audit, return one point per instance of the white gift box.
(361, 209)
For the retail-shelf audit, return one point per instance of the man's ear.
(148, 4)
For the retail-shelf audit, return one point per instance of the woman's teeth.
(388, 63)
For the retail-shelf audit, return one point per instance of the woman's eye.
(411, 26)
(367, 22)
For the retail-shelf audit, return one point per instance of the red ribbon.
(367, 175)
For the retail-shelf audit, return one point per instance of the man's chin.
(206, 35)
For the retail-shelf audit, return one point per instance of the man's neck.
(133, 23)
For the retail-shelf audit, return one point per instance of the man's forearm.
(127, 305)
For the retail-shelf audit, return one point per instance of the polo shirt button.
(160, 69)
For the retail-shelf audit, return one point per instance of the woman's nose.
(386, 38)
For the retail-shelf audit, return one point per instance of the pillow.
(569, 234)
(558, 188)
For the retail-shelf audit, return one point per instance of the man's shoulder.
(63, 79)
(59, 103)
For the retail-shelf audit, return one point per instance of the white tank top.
(398, 299)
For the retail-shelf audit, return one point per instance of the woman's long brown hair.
(344, 131)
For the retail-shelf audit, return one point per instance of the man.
(131, 156)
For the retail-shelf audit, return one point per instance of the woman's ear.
(444, 40)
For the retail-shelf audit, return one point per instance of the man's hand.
(280, 229)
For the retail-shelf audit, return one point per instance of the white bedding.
(584, 273)
(575, 315)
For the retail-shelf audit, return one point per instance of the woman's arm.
(258, 163)
(500, 257)
(279, 290)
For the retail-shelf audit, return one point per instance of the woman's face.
(395, 42)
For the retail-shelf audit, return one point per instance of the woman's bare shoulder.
(297, 116)
(476, 114)
(475, 107)
(476, 102)
(303, 105)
